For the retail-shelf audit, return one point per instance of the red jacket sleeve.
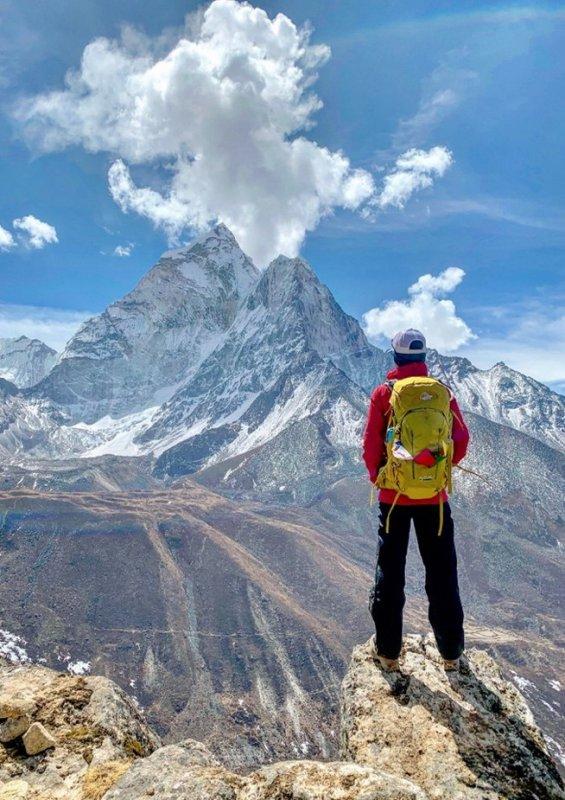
(374, 451)
(459, 433)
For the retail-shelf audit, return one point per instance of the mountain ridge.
(200, 344)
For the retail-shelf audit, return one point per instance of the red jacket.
(374, 449)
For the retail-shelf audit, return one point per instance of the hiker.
(414, 433)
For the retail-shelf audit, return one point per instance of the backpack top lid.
(408, 394)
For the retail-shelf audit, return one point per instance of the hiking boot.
(451, 664)
(386, 664)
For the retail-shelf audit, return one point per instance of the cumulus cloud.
(426, 310)
(123, 250)
(35, 232)
(53, 326)
(413, 170)
(6, 239)
(224, 111)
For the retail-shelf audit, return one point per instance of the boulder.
(111, 711)
(13, 727)
(466, 734)
(184, 771)
(37, 739)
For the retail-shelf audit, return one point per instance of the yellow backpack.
(420, 422)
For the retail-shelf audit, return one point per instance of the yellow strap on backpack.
(391, 509)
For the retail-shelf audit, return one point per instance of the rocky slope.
(414, 735)
(463, 735)
(227, 626)
(24, 361)
(247, 611)
(64, 737)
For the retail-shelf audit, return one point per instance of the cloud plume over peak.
(225, 111)
(425, 310)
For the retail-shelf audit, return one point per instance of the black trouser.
(440, 561)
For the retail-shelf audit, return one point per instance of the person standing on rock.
(415, 432)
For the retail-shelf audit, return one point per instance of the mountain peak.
(218, 235)
(25, 361)
(156, 335)
(288, 279)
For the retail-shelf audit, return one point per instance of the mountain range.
(184, 504)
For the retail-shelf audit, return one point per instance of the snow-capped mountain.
(25, 361)
(213, 358)
(503, 394)
(270, 371)
(140, 348)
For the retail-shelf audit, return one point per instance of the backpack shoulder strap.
(443, 383)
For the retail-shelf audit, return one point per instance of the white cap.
(409, 343)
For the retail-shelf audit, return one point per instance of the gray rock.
(310, 780)
(467, 735)
(37, 739)
(110, 710)
(185, 771)
(13, 727)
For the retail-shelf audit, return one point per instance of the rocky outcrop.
(414, 735)
(311, 780)
(468, 734)
(65, 737)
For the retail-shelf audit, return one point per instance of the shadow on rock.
(467, 735)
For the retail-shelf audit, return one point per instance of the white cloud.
(413, 170)
(171, 213)
(444, 283)
(6, 239)
(36, 233)
(443, 90)
(53, 326)
(224, 110)
(436, 318)
(431, 111)
(123, 250)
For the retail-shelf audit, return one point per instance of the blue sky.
(483, 82)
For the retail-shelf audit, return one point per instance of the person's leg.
(387, 596)
(442, 588)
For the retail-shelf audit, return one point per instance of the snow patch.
(79, 667)
(523, 683)
(12, 648)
